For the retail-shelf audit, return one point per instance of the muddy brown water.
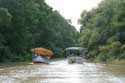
(62, 72)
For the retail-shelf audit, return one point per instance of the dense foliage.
(26, 24)
(103, 30)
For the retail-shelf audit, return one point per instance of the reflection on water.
(60, 72)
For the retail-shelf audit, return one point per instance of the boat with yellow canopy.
(41, 55)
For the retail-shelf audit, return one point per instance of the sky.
(71, 9)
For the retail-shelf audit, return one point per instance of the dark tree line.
(26, 24)
(103, 30)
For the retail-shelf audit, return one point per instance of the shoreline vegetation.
(103, 32)
(29, 24)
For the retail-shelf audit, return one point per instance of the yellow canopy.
(42, 51)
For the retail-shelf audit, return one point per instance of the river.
(62, 72)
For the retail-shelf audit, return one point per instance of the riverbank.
(13, 64)
(117, 62)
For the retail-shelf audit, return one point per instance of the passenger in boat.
(34, 55)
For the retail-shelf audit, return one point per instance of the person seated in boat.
(34, 55)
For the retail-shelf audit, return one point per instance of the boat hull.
(40, 59)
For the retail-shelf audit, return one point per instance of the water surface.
(62, 72)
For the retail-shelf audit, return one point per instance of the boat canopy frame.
(80, 51)
(75, 48)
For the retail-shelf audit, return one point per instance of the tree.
(106, 28)
(26, 24)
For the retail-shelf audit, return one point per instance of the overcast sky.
(71, 9)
